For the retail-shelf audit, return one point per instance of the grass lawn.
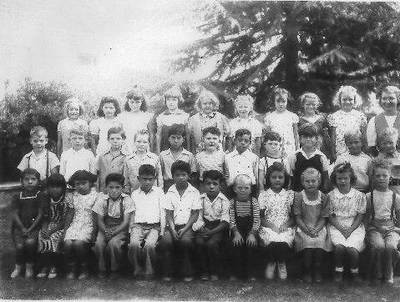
(125, 288)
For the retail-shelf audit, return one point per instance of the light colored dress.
(100, 127)
(310, 212)
(132, 122)
(83, 224)
(277, 208)
(345, 207)
(282, 123)
(65, 126)
(345, 122)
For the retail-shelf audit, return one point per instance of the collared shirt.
(147, 206)
(245, 163)
(114, 207)
(167, 159)
(131, 169)
(65, 126)
(383, 204)
(72, 161)
(292, 160)
(39, 162)
(210, 161)
(218, 209)
(110, 163)
(182, 205)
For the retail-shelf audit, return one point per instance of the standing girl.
(172, 115)
(107, 118)
(52, 232)
(135, 117)
(276, 231)
(27, 212)
(346, 210)
(80, 226)
(283, 121)
(346, 119)
(74, 111)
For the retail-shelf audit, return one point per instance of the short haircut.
(174, 92)
(387, 134)
(177, 129)
(77, 131)
(56, 180)
(206, 95)
(136, 94)
(74, 101)
(180, 165)
(389, 89)
(212, 130)
(213, 175)
(142, 132)
(308, 130)
(116, 177)
(82, 175)
(241, 132)
(277, 167)
(272, 136)
(380, 163)
(348, 136)
(312, 172)
(116, 130)
(106, 100)
(241, 177)
(343, 168)
(38, 131)
(30, 171)
(309, 95)
(147, 169)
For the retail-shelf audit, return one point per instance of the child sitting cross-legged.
(211, 226)
(113, 211)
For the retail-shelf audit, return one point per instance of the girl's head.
(142, 140)
(135, 100)
(277, 177)
(242, 187)
(347, 98)
(109, 107)
(353, 142)
(207, 102)
(310, 102)
(244, 106)
(73, 108)
(389, 98)
(310, 179)
(387, 141)
(272, 143)
(281, 97)
(343, 177)
(381, 173)
(56, 185)
(30, 179)
(173, 98)
(82, 181)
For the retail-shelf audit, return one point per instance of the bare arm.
(123, 226)
(59, 144)
(194, 215)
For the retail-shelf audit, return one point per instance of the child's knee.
(30, 243)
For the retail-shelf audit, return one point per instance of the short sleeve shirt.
(114, 207)
(383, 204)
(72, 161)
(39, 163)
(245, 163)
(167, 159)
(147, 206)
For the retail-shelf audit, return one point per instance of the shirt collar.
(173, 189)
(143, 192)
(184, 151)
(316, 152)
(208, 115)
(33, 155)
(339, 195)
(245, 153)
(281, 193)
(219, 196)
(121, 197)
(132, 155)
(122, 151)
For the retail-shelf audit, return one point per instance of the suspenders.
(47, 163)
(391, 209)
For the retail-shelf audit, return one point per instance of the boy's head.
(142, 140)
(211, 138)
(77, 138)
(381, 170)
(272, 143)
(387, 140)
(114, 184)
(38, 138)
(212, 180)
(116, 137)
(180, 171)
(310, 179)
(242, 186)
(176, 136)
(242, 140)
(353, 142)
(146, 177)
(56, 185)
(308, 136)
(389, 98)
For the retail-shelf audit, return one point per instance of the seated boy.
(182, 205)
(211, 225)
(113, 214)
(147, 221)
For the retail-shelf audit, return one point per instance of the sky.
(101, 47)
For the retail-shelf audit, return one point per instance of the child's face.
(389, 101)
(146, 182)
(82, 186)
(387, 146)
(310, 183)
(207, 106)
(243, 109)
(77, 141)
(277, 180)
(242, 143)
(272, 147)
(175, 141)
(354, 145)
(242, 189)
(38, 142)
(381, 178)
(134, 104)
(114, 189)
(180, 178)
(308, 141)
(142, 143)
(115, 140)
(109, 110)
(343, 181)
(347, 101)
(310, 106)
(172, 103)
(30, 182)
(73, 111)
(280, 103)
(55, 192)
(211, 141)
(212, 187)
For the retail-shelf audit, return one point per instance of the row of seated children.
(184, 223)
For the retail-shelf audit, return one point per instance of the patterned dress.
(277, 209)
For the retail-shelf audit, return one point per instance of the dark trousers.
(278, 252)
(76, 253)
(312, 257)
(341, 252)
(48, 259)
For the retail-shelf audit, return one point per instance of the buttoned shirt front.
(39, 162)
(110, 163)
(114, 207)
(244, 163)
(167, 159)
(72, 161)
(147, 206)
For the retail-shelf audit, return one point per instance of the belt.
(145, 224)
